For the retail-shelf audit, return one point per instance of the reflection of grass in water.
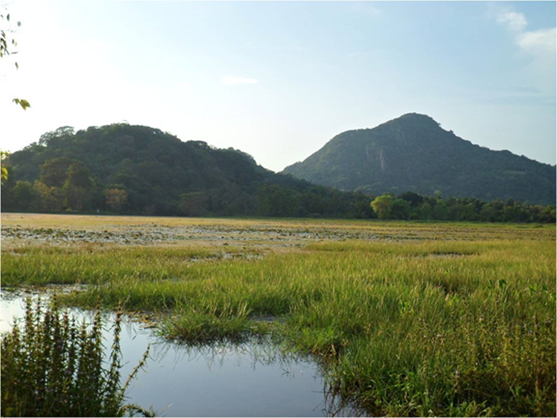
(445, 327)
(257, 351)
(51, 366)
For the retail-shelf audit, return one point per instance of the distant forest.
(137, 170)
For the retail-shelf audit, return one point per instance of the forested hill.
(413, 153)
(140, 170)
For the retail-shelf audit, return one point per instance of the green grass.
(90, 264)
(458, 327)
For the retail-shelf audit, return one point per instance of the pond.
(250, 379)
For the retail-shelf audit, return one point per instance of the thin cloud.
(367, 9)
(539, 42)
(514, 21)
(229, 80)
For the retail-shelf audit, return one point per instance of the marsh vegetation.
(405, 318)
(54, 366)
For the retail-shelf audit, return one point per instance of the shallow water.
(250, 379)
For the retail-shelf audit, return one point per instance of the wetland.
(325, 317)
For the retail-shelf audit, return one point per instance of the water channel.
(249, 379)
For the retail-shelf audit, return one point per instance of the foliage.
(116, 199)
(193, 204)
(54, 367)
(78, 176)
(7, 42)
(413, 206)
(54, 172)
(22, 102)
(7, 45)
(383, 205)
(431, 319)
(413, 153)
(141, 170)
(4, 175)
(24, 194)
(49, 199)
(77, 198)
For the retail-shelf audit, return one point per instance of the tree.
(50, 199)
(414, 198)
(4, 157)
(78, 187)
(23, 195)
(55, 171)
(426, 211)
(76, 198)
(193, 203)
(8, 44)
(548, 214)
(440, 210)
(488, 213)
(273, 200)
(78, 176)
(58, 133)
(400, 209)
(382, 206)
(116, 199)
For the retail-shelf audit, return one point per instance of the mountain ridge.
(413, 153)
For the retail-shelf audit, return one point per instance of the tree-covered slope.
(142, 170)
(413, 153)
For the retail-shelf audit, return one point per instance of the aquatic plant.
(53, 366)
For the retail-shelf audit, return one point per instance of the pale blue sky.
(279, 79)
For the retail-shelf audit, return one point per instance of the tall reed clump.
(53, 366)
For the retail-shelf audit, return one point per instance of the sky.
(280, 79)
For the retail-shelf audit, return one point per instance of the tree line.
(412, 206)
(138, 170)
(65, 185)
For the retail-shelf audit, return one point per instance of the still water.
(250, 379)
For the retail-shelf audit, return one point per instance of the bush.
(54, 367)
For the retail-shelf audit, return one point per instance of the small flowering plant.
(52, 366)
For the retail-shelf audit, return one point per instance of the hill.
(413, 153)
(141, 170)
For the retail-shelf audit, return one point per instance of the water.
(250, 379)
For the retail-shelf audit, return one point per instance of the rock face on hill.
(413, 153)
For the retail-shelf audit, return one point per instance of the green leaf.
(22, 102)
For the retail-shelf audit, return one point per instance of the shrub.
(53, 366)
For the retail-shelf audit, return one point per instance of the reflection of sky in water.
(242, 380)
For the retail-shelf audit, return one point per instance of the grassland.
(407, 318)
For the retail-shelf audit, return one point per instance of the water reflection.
(254, 378)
